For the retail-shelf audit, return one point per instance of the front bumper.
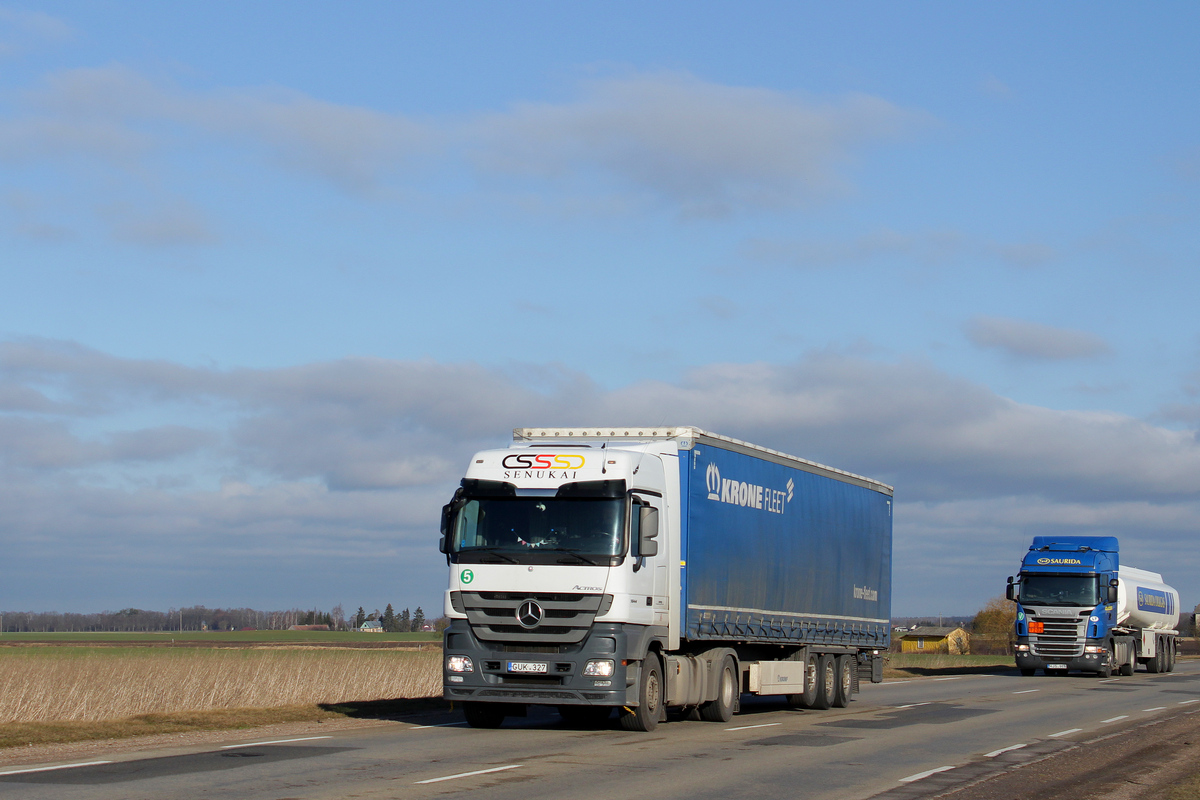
(1085, 662)
(563, 683)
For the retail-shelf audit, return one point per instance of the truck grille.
(1059, 637)
(566, 617)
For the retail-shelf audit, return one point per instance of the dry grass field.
(50, 684)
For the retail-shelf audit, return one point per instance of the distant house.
(371, 626)
(954, 641)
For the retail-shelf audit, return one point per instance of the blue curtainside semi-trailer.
(641, 569)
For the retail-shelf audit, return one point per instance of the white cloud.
(1032, 340)
(352, 459)
(706, 148)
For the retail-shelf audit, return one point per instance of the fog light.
(459, 664)
(602, 683)
(600, 668)
(455, 678)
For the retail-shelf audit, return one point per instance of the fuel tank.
(1144, 601)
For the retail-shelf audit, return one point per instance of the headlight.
(1094, 648)
(602, 668)
(459, 664)
(1022, 648)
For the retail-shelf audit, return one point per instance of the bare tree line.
(192, 618)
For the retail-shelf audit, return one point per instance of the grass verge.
(23, 734)
(912, 665)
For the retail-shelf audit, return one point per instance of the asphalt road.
(900, 739)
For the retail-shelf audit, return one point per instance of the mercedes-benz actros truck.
(634, 570)
(1080, 609)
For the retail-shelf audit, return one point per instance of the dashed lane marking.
(1113, 719)
(51, 769)
(277, 741)
(925, 774)
(995, 753)
(748, 727)
(1066, 732)
(470, 774)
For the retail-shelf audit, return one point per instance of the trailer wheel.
(483, 715)
(826, 682)
(1172, 642)
(808, 697)
(650, 698)
(1155, 663)
(842, 666)
(721, 709)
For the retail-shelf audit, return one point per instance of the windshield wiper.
(573, 554)
(499, 555)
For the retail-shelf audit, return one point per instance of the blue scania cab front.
(1066, 595)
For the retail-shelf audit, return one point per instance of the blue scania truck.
(632, 570)
(1080, 609)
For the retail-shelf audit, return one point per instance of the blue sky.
(273, 271)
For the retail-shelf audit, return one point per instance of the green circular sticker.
(466, 576)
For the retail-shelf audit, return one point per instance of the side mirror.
(648, 532)
(1112, 590)
(447, 523)
(1010, 591)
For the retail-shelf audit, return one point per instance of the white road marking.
(1156, 708)
(1110, 680)
(1027, 691)
(1188, 702)
(924, 774)
(914, 705)
(955, 678)
(277, 741)
(469, 774)
(51, 769)
(748, 727)
(995, 753)
(1064, 733)
(1113, 719)
(441, 725)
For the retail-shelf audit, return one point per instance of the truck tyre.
(843, 667)
(826, 682)
(1155, 664)
(1127, 667)
(808, 697)
(721, 709)
(483, 715)
(1106, 671)
(1171, 651)
(644, 717)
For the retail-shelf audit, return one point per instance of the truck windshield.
(541, 530)
(1060, 590)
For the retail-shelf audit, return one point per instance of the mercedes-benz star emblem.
(529, 614)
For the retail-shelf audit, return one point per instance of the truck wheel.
(483, 715)
(1106, 671)
(808, 697)
(842, 666)
(1155, 664)
(1127, 667)
(826, 682)
(650, 698)
(1171, 642)
(721, 709)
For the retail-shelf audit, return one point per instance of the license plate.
(1056, 666)
(527, 666)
